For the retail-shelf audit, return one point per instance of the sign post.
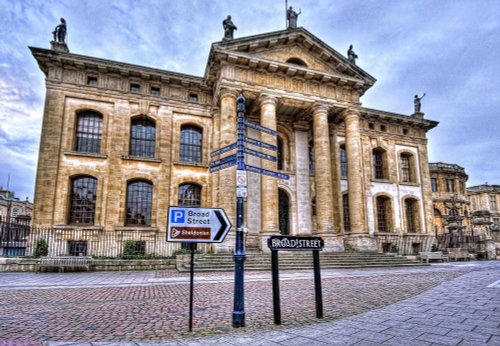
(238, 159)
(196, 225)
(289, 243)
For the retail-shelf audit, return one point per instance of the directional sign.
(197, 225)
(224, 149)
(267, 172)
(261, 144)
(222, 166)
(223, 160)
(261, 155)
(260, 128)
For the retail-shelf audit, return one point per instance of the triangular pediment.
(296, 50)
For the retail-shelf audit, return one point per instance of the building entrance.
(284, 212)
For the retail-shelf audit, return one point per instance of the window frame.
(91, 130)
(77, 216)
(144, 142)
(139, 203)
(188, 150)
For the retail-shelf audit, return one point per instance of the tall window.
(88, 132)
(189, 195)
(82, 200)
(345, 210)
(434, 184)
(191, 143)
(139, 202)
(407, 175)
(378, 164)
(280, 154)
(411, 212)
(343, 162)
(450, 185)
(311, 157)
(142, 137)
(384, 214)
(493, 202)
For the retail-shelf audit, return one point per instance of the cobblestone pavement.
(445, 304)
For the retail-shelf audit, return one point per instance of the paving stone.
(277, 335)
(399, 332)
(439, 339)
(335, 339)
(373, 336)
(469, 336)
(301, 341)
(399, 341)
(494, 340)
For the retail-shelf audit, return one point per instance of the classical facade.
(485, 208)
(449, 193)
(121, 143)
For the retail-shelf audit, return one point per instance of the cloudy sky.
(449, 49)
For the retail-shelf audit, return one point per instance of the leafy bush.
(41, 248)
(128, 249)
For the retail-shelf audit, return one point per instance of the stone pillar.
(215, 145)
(358, 239)
(322, 171)
(269, 185)
(304, 221)
(227, 177)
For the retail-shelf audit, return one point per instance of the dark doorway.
(284, 212)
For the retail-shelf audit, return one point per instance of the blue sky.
(448, 49)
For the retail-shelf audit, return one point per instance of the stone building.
(13, 208)
(121, 143)
(449, 194)
(485, 208)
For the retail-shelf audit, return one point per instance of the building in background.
(120, 143)
(15, 219)
(13, 208)
(449, 194)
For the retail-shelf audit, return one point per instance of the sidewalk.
(445, 304)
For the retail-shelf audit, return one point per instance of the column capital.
(301, 126)
(319, 107)
(267, 99)
(225, 92)
(351, 112)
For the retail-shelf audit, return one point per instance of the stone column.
(269, 185)
(304, 220)
(227, 177)
(322, 171)
(215, 145)
(359, 238)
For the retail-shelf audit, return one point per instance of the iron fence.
(404, 244)
(462, 241)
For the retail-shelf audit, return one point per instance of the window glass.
(139, 202)
(82, 200)
(142, 137)
(89, 133)
(191, 143)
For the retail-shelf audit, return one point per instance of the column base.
(333, 242)
(263, 241)
(360, 243)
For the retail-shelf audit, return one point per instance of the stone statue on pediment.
(292, 17)
(59, 32)
(229, 28)
(417, 103)
(351, 56)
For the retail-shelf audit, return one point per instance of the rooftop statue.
(351, 56)
(60, 32)
(229, 28)
(417, 103)
(291, 17)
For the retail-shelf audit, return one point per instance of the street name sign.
(222, 160)
(259, 170)
(289, 243)
(224, 149)
(222, 166)
(260, 128)
(261, 155)
(197, 225)
(261, 144)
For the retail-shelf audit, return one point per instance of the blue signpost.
(238, 159)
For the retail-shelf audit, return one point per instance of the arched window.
(384, 214)
(280, 154)
(296, 61)
(82, 200)
(437, 213)
(88, 132)
(191, 143)
(189, 195)
(142, 137)
(139, 202)
(343, 161)
(412, 215)
(379, 164)
(407, 168)
(345, 210)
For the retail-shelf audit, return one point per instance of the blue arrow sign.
(223, 160)
(260, 128)
(261, 155)
(222, 166)
(267, 172)
(223, 150)
(260, 144)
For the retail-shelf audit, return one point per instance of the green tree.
(41, 248)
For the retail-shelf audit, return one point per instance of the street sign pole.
(239, 253)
